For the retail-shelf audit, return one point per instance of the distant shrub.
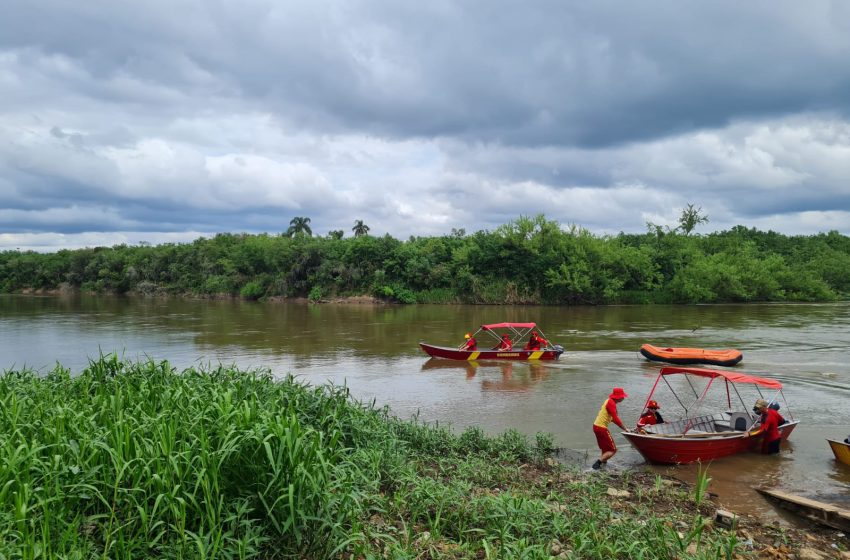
(398, 294)
(252, 291)
(217, 285)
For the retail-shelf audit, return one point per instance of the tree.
(690, 218)
(299, 225)
(360, 228)
(336, 234)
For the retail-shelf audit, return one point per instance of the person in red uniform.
(608, 414)
(504, 344)
(775, 406)
(471, 344)
(770, 420)
(535, 342)
(651, 416)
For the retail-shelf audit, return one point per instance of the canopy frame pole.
(698, 403)
(674, 393)
(740, 398)
(688, 379)
(492, 333)
(652, 392)
(788, 408)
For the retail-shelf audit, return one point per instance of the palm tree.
(336, 234)
(360, 228)
(299, 225)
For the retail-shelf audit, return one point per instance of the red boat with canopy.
(710, 427)
(520, 334)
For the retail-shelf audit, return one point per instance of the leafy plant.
(252, 290)
(315, 294)
(702, 482)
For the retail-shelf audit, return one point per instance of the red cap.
(617, 393)
(652, 404)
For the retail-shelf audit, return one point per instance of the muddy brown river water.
(373, 349)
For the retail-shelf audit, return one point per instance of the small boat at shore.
(816, 511)
(517, 350)
(703, 434)
(841, 450)
(688, 356)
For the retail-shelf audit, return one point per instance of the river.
(373, 350)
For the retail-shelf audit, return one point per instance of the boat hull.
(841, 451)
(681, 450)
(685, 356)
(466, 355)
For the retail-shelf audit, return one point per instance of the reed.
(138, 460)
(702, 482)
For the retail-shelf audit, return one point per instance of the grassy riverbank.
(135, 460)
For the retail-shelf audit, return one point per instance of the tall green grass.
(137, 460)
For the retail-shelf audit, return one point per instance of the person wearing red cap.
(608, 414)
(535, 342)
(504, 344)
(471, 344)
(650, 417)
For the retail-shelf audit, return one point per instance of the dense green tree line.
(529, 260)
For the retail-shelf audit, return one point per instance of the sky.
(168, 120)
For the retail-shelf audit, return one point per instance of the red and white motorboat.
(520, 333)
(707, 430)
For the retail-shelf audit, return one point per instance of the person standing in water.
(770, 420)
(608, 414)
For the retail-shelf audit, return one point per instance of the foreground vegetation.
(135, 460)
(529, 260)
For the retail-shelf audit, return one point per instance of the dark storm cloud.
(173, 118)
(588, 74)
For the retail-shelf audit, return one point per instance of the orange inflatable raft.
(685, 356)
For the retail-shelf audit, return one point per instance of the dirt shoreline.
(670, 495)
(66, 290)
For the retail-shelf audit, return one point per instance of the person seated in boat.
(769, 426)
(650, 417)
(535, 342)
(505, 343)
(470, 344)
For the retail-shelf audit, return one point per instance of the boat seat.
(703, 423)
(722, 426)
(740, 421)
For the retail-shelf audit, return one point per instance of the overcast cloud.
(164, 121)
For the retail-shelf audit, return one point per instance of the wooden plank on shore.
(801, 500)
(813, 510)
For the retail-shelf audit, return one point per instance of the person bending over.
(608, 414)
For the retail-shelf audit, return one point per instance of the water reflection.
(507, 376)
(436, 364)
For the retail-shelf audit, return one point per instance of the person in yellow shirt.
(607, 414)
